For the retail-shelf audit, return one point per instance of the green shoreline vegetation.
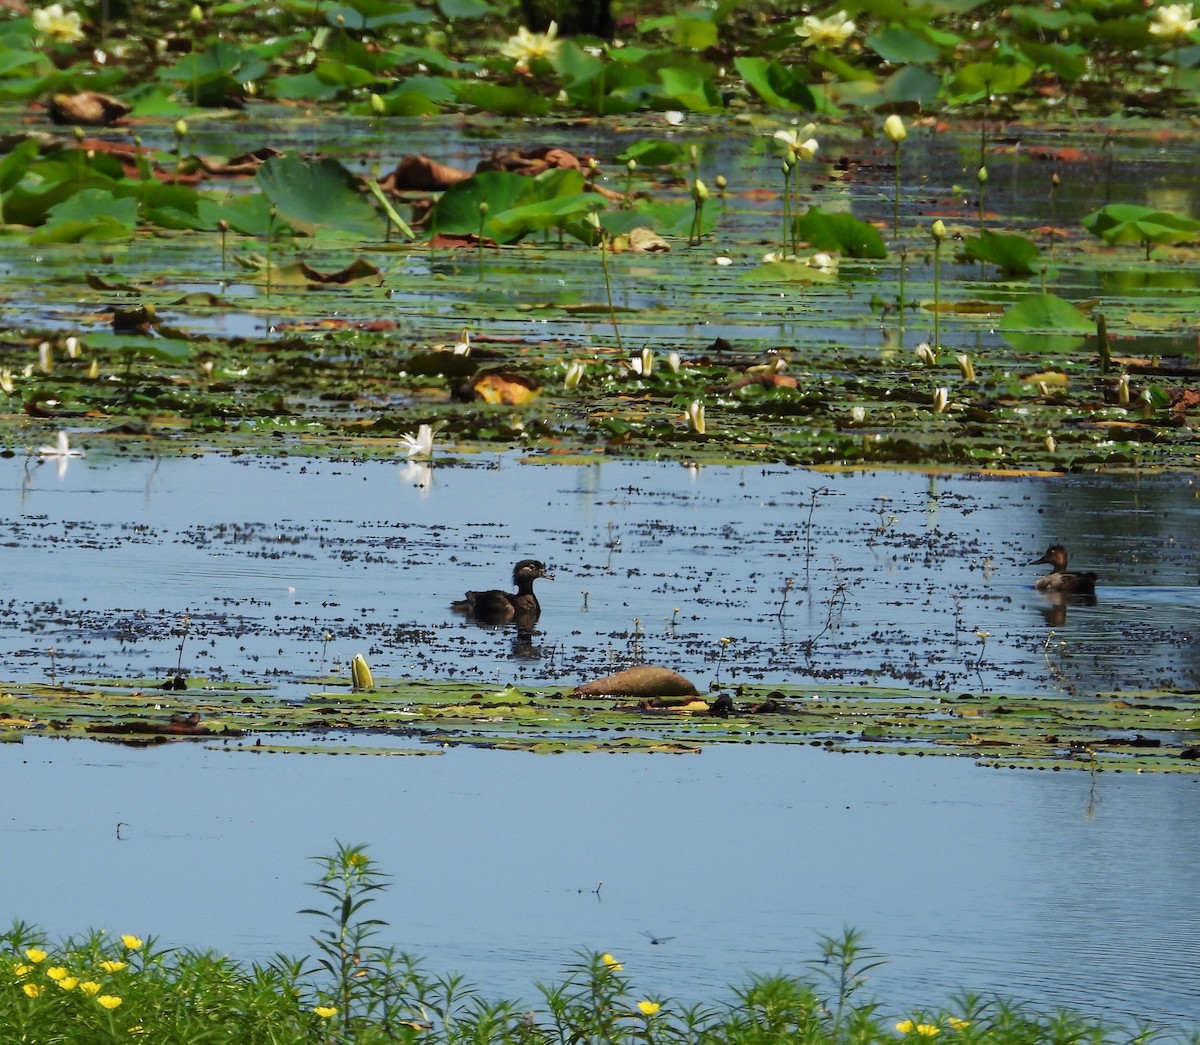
(94, 990)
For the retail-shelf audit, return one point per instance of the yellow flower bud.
(938, 230)
(895, 130)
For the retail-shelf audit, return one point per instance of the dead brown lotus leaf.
(87, 109)
(420, 173)
(640, 240)
(505, 389)
(647, 681)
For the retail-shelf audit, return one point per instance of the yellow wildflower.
(111, 965)
(65, 27)
(32, 989)
(132, 942)
(109, 1001)
(35, 954)
(648, 1008)
(56, 972)
(325, 1011)
(826, 32)
(90, 987)
(611, 963)
(957, 1024)
(69, 983)
(21, 969)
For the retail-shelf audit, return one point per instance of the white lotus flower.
(941, 400)
(926, 354)
(831, 31)
(64, 27)
(527, 46)
(1173, 22)
(643, 364)
(795, 144)
(421, 444)
(695, 416)
(575, 373)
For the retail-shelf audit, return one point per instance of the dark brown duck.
(497, 606)
(1058, 579)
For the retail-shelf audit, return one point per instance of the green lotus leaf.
(505, 101)
(1015, 254)
(984, 78)
(653, 152)
(776, 85)
(317, 195)
(1133, 223)
(841, 232)
(167, 349)
(901, 46)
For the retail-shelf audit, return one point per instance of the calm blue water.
(1052, 887)
(1055, 887)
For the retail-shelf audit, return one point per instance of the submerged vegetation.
(214, 269)
(353, 989)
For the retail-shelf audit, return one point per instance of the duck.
(1058, 579)
(497, 607)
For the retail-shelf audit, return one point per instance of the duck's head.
(529, 570)
(1056, 556)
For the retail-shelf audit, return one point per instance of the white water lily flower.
(926, 354)
(527, 46)
(674, 362)
(421, 444)
(941, 400)
(674, 117)
(858, 414)
(463, 347)
(1173, 22)
(966, 366)
(695, 416)
(61, 452)
(831, 31)
(64, 27)
(575, 372)
(7, 385)
(643, 364)
(795, 144)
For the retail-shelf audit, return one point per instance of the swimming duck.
(497, 606)
(1058, 579)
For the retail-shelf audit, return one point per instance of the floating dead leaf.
(422, 174)
(531, 162)
(1046, 377)
(645, 681)
(504, 388)
(640, 240)
(359, 269)
(457, 240)
(87, 109)
(96, 283)
(244, 165)
(764, 380)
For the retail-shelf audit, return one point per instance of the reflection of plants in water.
(788, 582)
(977, 666)
(835, 603)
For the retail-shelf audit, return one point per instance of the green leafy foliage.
(317, 195)
(841, 232)
(1133, 223)
(1015, 255)
(1045, 323)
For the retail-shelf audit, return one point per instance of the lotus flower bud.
(895, 130)
(938, 230)
(360, 674)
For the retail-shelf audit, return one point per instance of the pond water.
(286, 568)
(1062, 888)
(1058, 888)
